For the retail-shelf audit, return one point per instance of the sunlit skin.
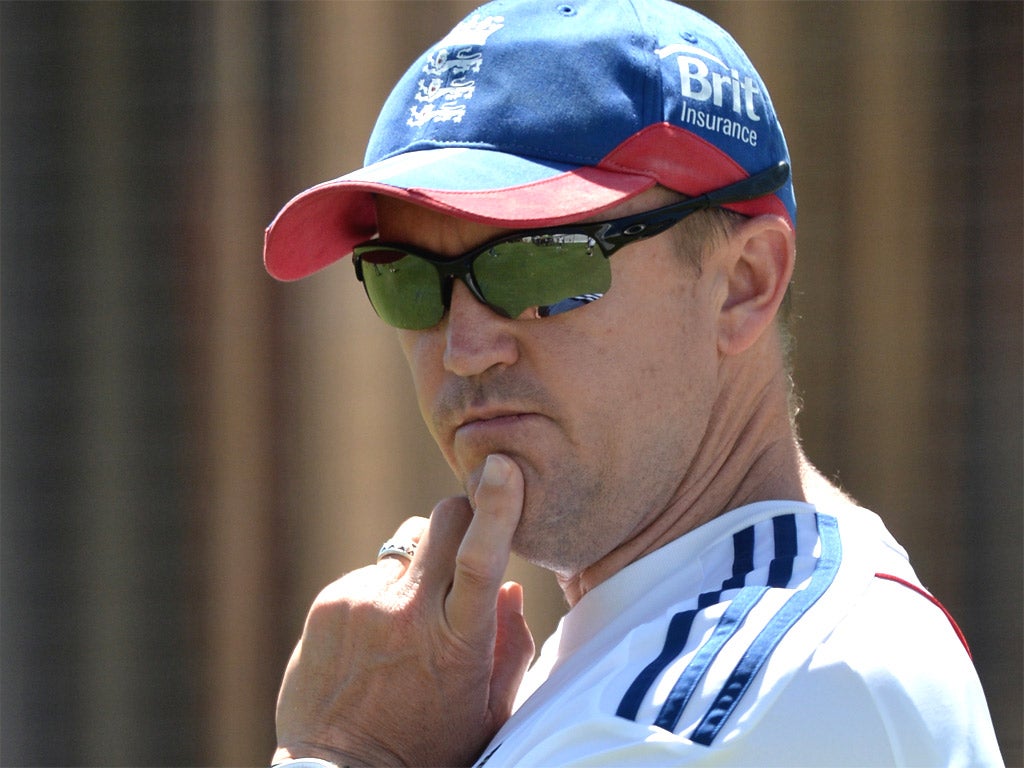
(633, 419)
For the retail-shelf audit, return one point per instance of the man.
(580, 218)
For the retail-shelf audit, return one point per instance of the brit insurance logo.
(450, 72)
(711, 90)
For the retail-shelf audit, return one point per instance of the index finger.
(484, 553)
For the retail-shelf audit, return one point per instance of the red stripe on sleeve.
(934, 601)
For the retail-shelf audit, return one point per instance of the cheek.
(423, 354)
(663, 374)
(662, 410)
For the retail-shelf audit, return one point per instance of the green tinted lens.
(404, 289)
(551, 272)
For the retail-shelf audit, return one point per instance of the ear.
(759, 265)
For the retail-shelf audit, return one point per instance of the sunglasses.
(550, 270)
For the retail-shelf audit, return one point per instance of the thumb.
(485, 549)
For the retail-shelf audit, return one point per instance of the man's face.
(604, 408)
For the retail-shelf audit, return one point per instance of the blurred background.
(190, 451)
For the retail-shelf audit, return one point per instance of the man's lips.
(492, 420)
(492, 426)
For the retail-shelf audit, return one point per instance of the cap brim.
(322, 224)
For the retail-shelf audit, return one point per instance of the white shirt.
(773, 635)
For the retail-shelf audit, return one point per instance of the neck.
(749, 453)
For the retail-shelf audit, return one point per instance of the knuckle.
(350, 598)
(475, 569)
(412, 527)
(329, 608)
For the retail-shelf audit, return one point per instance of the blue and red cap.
(534, 113)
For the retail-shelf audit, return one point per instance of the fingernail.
(495, 471)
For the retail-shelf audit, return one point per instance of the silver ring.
(396, 549)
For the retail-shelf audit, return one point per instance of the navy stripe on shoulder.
(679, 627)
(769, 549)
(781, 569)
(765, 643)
(727, 626)
(675, 642)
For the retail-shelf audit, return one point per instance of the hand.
(418, 664)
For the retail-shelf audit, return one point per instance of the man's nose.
(476, 338)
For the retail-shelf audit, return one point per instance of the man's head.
(517, 220)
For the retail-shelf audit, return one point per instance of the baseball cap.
(534, 113)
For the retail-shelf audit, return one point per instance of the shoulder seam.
(934, 601)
